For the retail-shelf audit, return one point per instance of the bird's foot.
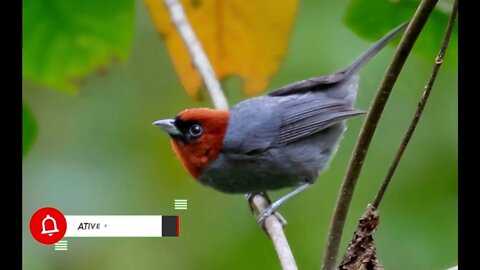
(268, 212)
(272, 208)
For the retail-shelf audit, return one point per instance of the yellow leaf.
(247, 38)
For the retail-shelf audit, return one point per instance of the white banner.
(115, 226)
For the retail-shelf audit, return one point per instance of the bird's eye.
(196, 130)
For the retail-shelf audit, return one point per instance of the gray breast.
(276, 167)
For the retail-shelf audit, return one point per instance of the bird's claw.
(268, 212)
(282, 220)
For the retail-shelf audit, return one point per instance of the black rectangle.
(170, 225)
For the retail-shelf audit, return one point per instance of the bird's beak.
(168, 125)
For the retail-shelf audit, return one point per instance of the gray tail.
(322, 82)
(373, 50)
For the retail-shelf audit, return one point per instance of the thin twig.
(275, 230)
(366, 134)
(421, 106)
(200, 59)
(273, 226)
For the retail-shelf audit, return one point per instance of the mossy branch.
(368, 130)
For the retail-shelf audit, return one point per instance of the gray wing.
(308, 115)
(264, 122)
(312, 84)
(253, 125)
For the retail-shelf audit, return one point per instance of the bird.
(280, 140)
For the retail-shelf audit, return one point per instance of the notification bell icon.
(48, 225)
(52, 229)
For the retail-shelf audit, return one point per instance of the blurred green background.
(97, 153)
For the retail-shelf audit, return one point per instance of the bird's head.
(196, 136)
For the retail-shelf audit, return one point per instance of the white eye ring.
(195, 130)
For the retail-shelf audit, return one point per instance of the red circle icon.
(48, 225)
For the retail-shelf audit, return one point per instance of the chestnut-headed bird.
(283, 139)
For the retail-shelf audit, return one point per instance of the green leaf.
(65, 40)
(371, 19)
(29, 129)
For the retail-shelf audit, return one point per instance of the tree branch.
(273, 226)
(200, 59)
(274, 229)
(368, 129)
(421, 106)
